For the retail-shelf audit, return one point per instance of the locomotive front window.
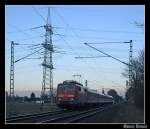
(69, 87)
(79, 88)
(60, 88)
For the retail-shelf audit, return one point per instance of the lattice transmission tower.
(47, 83)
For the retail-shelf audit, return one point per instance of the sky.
(76, 25)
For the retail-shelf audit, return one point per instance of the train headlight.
(71, 99)
(59, 99)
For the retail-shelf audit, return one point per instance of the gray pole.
(130, 65)
(12, 71)
(86, 83)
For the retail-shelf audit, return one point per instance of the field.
(17, 108)
(121, 113)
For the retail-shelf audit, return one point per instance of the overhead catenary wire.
(74, 34)
(19, 30)
(90, 57)
(28, 44)
(107, 42)
(16, 28)
(93, 69)
(26, 58)
(34, 37)
(67, 44)
(106, 54)
(36, 58)
(27, 55)
(26, 47)
(13, 32)
(74, 31)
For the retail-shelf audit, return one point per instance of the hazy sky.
(91, 24)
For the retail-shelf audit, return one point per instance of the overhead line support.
(128, 64)
(12, 70)
(106, 54)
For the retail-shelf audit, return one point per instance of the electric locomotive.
(72, 94)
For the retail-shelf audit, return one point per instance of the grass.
(120, 113)
(129, 113)
(17, 108)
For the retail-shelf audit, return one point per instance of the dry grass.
(120, 113)
(17, 108)
(129, 113)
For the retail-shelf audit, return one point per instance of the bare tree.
(137, 70)
(32, 97)
(135, 93)
(139, 24)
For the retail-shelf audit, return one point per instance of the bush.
(139, 98)
(136, 96)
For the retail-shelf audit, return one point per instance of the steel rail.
(29, 116)
(84, 116)
(57, 119)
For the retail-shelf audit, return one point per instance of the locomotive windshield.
(69, 87)
(66, 87)
(60, 89)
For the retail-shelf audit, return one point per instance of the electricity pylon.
(47, 82)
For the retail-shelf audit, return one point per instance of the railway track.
(31, 117)
(75, 116)
(59, 116)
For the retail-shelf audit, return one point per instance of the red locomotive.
(72, 94)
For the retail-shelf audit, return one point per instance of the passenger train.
(73, 94)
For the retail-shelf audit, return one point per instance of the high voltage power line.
(73, 30)
(77, 35)
(68, 26)
(80, 29)
(102, 31)
(37, 12)
(61, 37)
